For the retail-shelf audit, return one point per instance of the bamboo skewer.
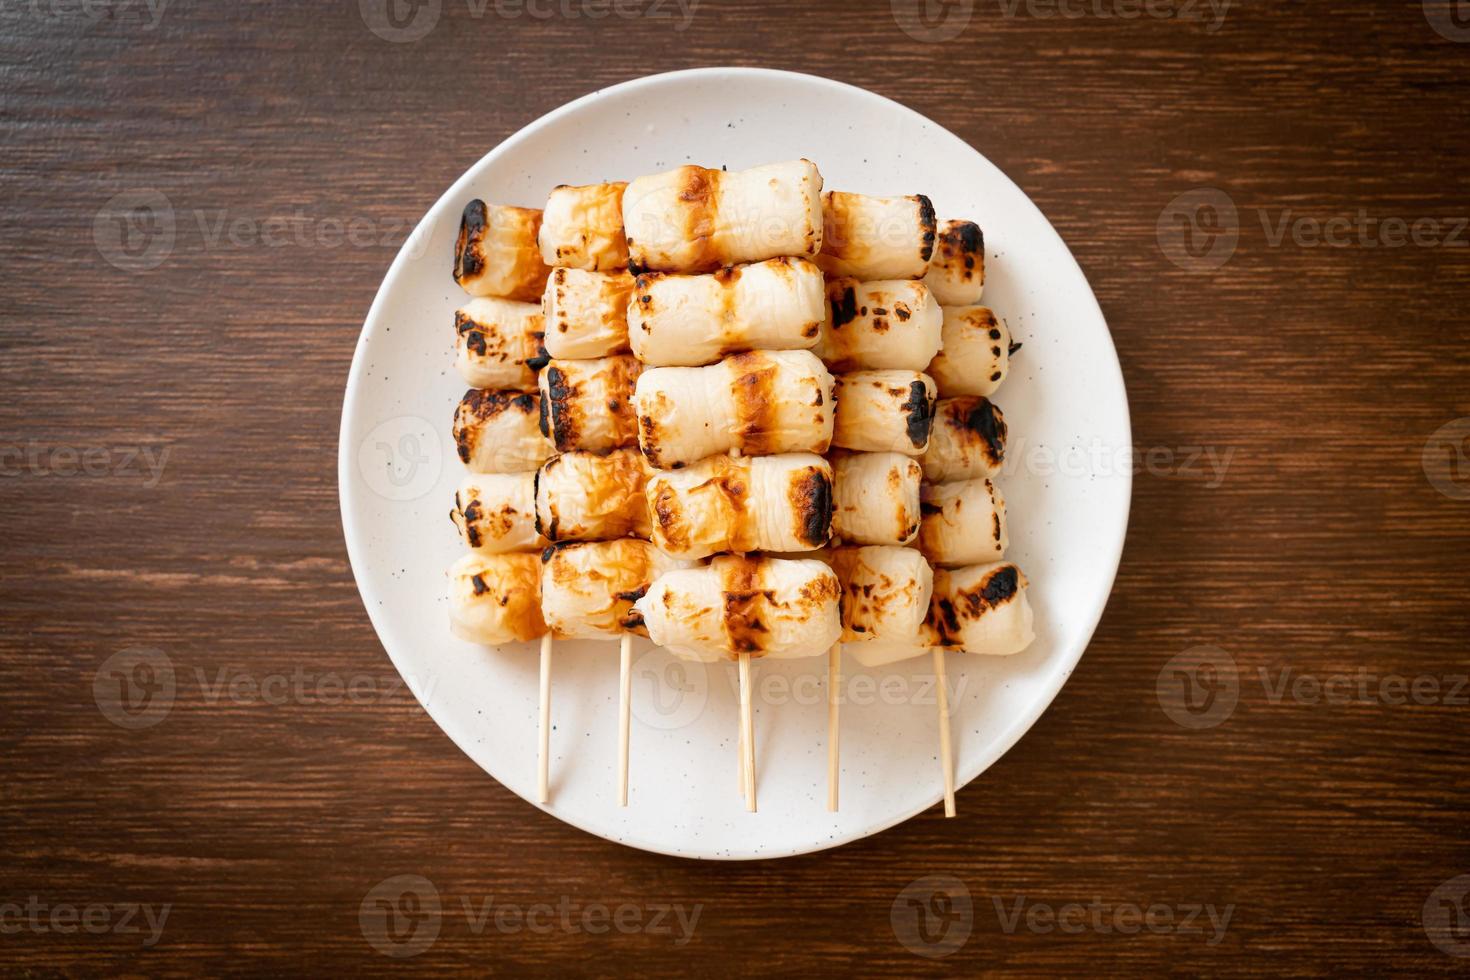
(747, 729)
(740, 756)
(946, 750)
(544, 756)
(834, 681)
(625, 691)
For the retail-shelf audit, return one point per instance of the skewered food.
(886, 593)
(968, 442)
(741, 293)
(887, 324)
(583, 228)
(690, 320)
(964, 523)
(875, 498)
(495, 599)
(584, 404)
(759, 403)
(588, 588)
(499, 431)
(754, 503)
(983, 609)
(762, 607)
(581, 496)
(956, 273)
(496, 253)
(586, 313)
(976, 355)
(497, 343)
(876, 237)
(884, 411)
(697, 220)
(496, 512)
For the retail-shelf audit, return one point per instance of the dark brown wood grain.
(1324, 549)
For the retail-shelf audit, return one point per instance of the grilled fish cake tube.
(886, 593)
(765, 607)
(979, 609)
(977, 353)
(586, 313)
(956, 273)
(691, 320)
(875, 498)
(884, 411)
(891, 324)
(583, 228)
(968, 443)
(588, 588)
(761, 403)
(497, 343)
(872, 238)
(496, 512)
(495, 599)
(983, 609)
(964, 523)
(499, 432)
(581, 496)
(754, 503)
(496, 253)
(586, 404)
(698, 220)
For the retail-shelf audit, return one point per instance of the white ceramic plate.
(1068, 485)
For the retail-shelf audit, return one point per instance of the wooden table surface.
(1271, 207)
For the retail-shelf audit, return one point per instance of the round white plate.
(1068, 484)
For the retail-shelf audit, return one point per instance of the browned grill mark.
(468, 258)
(811, 503)
(998, 588)
(478, 583)
(744, 602)
(699, 193)
(478, 407)
(754, 390)
(542, 357)
(927, 224)
(471, 514)
(558, 408)
(919, 414)
(976, 420)
(835, 210)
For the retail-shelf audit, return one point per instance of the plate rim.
(353, 534)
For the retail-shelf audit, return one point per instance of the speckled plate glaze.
(1068, 483)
